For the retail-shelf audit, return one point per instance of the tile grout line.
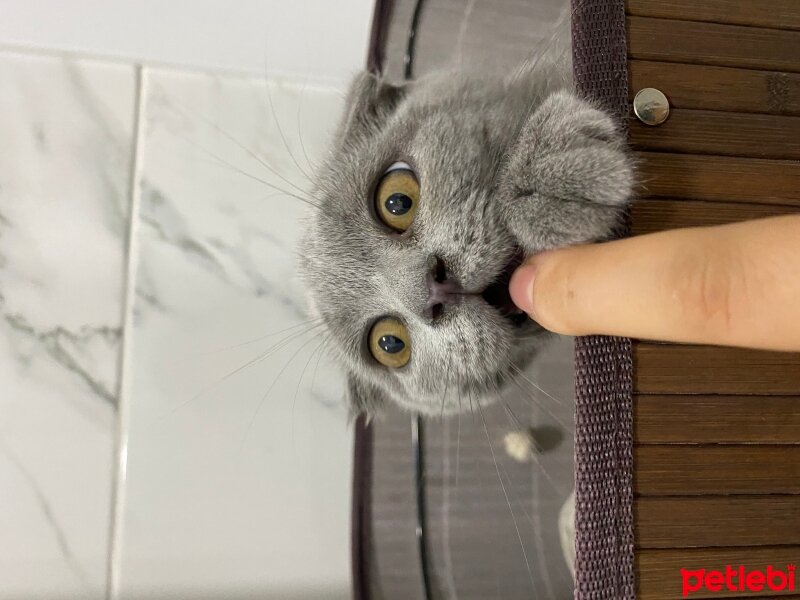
(119, 475)
(321, 83)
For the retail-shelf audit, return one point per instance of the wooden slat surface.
(718, 88)
(781, 14)
(696, 470)
(659, 214)
(687, 369)
(659, 570)
(724, 133)
(717, 431)
(723, 178)
(692, 521)
(696, 419)
(713, 44)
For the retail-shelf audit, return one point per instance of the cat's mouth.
(497, 293)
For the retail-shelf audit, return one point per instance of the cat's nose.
(443, 289)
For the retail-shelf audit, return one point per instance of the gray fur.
(503, 163)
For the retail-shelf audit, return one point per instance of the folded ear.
(568, 178)
(370, 102)
(363, 398)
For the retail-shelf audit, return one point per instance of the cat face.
(408, 256)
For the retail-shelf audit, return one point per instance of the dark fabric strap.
(361, 514)
(381, 15)
(603, 365)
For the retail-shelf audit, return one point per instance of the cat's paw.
(568, 178)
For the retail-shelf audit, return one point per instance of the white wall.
(319, 39)
(135, 260)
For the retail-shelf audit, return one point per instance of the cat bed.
(603, 557)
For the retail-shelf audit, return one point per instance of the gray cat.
(432, 193)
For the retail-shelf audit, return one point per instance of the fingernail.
(521, 287)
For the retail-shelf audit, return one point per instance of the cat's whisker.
(316, 366)
(516, 424)
(261, 357)
(446, 507)
(471, 408)
(536, 527)
(536, 520)
(310, 164)
(498, 534)
(250, 152)
(221, 161)
(522, 374)
(444, 396)
(281, 134)
(300, 380)
(244, 173)
(517, 372)
(253, 340)
(527, 395)
(508, 501)
(269, 389)
(458, 436)
(446, 384)
(261, 160)
(282, 193)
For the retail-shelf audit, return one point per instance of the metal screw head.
(651, 106)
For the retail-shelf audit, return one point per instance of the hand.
(731, 285)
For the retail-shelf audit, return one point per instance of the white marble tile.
(65, 144)
(234, 485)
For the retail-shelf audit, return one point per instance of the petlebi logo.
(738, 579)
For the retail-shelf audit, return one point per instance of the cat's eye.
(397, 197)
(390, 343)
